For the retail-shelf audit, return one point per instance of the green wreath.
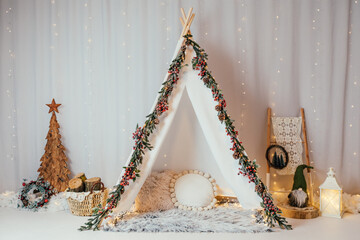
(35, 194)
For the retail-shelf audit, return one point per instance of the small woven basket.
(85, 207)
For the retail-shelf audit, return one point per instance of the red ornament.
(24, 184)
(46, 200)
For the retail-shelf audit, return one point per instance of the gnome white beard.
(298, 198)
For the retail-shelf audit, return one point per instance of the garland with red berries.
(141, 136)
(41, 191)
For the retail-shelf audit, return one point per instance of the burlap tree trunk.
(53, 167)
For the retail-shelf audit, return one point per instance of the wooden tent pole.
(189, 12)
(268, 145)
(183, 23)
(307, 156)
(191, 19)
(183, 13)
(187, 23)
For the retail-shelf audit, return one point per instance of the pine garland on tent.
(141, 136)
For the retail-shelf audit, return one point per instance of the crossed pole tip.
(186, 21)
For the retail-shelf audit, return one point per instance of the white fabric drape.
(104, 62)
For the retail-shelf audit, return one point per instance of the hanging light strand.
(12, 148)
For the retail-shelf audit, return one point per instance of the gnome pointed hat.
(299, 178)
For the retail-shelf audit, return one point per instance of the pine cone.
(183, 48)
(122, 190)
(221, 116)
(206, 80)
(259, 188)
(156, 121)
(218, 108)
(236, 155)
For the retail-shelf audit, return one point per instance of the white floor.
(23, 225)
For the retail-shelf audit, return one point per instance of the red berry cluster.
(200, 63)
(222, 103)
(250, 172)
(217, 96)
(269, 205)
(174, 77)
(112, 203)
(162, 106)
(138, 135)
(233, 140)
(128, 175)
(233, 133)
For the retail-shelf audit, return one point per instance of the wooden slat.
(305, 138)
(268, 134)
(307, 156)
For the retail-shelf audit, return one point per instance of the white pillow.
(193, 190)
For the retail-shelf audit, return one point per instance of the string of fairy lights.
(276, 75)
(315, 73)
(11, 115)
(242, 56)
(89, 72)
(352, 106)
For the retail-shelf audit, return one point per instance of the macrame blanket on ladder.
(287, 132)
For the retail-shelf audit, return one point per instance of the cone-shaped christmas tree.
(53, 167)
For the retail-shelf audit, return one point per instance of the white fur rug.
(230, 219)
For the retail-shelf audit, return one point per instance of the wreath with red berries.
(35, 194)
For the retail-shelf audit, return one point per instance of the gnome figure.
(298, 196)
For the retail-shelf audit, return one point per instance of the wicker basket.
(85, 207)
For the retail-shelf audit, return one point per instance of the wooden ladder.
(306, 146)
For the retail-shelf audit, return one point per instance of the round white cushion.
(193, 190)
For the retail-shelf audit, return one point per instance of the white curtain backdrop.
(105, 60)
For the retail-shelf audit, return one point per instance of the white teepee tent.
(188, 75)
(213, 130)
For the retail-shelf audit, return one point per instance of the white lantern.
(331, 197)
